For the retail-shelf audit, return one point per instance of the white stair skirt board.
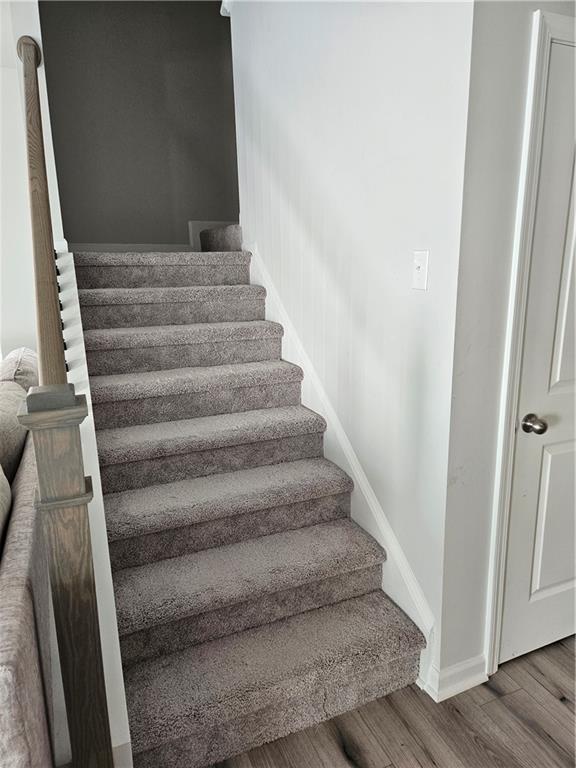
(78, 375)
(399, 580)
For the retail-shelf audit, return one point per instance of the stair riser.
(150, 410)
(319, 697)
(158, 275)
(170, 638)
(176, 313)
(168, 469)
(138, 550)
(136, 360)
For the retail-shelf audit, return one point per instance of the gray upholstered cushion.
(20, 366)
(24, 629)
(5, 501)
(12, 433)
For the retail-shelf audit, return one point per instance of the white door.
(539, 585)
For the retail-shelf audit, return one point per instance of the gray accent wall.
(142, 114)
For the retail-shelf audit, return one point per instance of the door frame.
(546, 29)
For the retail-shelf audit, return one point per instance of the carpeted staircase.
(249, 604)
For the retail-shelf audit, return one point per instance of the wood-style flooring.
(523, 717)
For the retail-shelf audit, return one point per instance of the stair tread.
(179, 381)
(170, 295)
(173, 505)
(179, 587)
(211, 683)
(174, 335)
(160, 258)
(170, 438)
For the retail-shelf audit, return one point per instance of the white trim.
(61, 246)
(546, 29)
(450, 681)
(400, 582)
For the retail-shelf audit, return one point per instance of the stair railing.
(53, 413)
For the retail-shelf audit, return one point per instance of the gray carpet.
(249, 604)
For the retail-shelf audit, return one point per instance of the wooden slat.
(49, 329)
(67, 535)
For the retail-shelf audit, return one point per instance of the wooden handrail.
(49, 329)
(53, 413)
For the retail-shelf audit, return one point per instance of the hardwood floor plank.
(460, 729)
(308, 747)
(540, 721)
(520, 673)
(500, 684)
(498, 731)
(563, 657)
(552, 677)
(538, 748)
(408, 704)
(403, 746)
(336, 750)
(362, 739)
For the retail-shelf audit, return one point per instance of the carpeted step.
(218, 699)
(137, 307)
(136, 270)
(153, 348)
(162, 521)
(134, 457)
(165, 606)
(127, 399)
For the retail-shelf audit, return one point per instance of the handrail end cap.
(27, 40)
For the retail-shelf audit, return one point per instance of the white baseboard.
(441, 684)
(399, 580)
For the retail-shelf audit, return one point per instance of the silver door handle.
(531, 423)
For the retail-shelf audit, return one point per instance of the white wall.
(17, 307)
(499, 72)
(351, 129)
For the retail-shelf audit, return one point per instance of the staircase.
(249, 604)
